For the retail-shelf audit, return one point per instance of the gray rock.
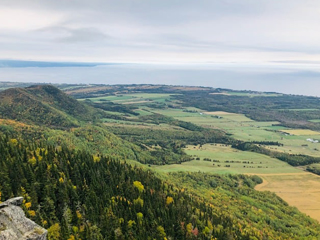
(3, 205)
(15, 201)
(15, 226)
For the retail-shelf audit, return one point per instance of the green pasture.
(298, 145)
(108, 120)
(111, 98)
(229, 116)
(193, 109)
(258, 163)
(134, 98)
(115, 113)
(238, 125)
(202, 118)
(249, 130)
(176, 113)
(275, 128)
(143, 112)
(315, 120)
(141, 125)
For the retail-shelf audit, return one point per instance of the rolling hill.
(44, 105)
(81, 181)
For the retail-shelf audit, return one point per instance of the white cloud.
(16, 19)
(161, 31)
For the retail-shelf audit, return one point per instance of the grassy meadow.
(295, 186)
(237, 125)
(245, 129)
(134, 98)
(239, 162)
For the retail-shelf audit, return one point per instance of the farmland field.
(290, 183)
(134, 98)
(299, 132)
(238, 125)
(229, 116)
(242, 128)
(298, 189)
(222, 155)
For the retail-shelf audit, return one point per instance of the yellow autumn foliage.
(27, 205)
(138, 185)
(130, 223)
(169, 200)
(54, 232)
(138, 201)
(79, 216)
(14, 142)
(32, 213)
(71, 237)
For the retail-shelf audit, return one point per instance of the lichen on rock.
(15, 226)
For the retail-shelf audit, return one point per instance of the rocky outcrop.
(15, 226)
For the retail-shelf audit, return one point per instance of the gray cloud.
(151, 30)
(74, 35)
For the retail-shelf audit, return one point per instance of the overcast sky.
(170, 31)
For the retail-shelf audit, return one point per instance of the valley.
(159, 120)
(223, 158)
(193, 146)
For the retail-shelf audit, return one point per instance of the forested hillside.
(88, 169)
(79, 196)
(44, 105)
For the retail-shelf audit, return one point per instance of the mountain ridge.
(44, 105)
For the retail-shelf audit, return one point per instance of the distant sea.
(290, 78)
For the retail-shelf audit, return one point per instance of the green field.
(134, 98)
(242, 128)
(295, 186)
(238, 125)
(108, 120)
(258, 163)
(143, 112)
(229, 116)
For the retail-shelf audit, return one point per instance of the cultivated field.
(238, 125)
(245, 129)
(300, 132)
(298, 189)
(295, 186)
(137, 98)
(230, 116)
(224, 159)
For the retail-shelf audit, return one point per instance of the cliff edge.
(15, 226)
